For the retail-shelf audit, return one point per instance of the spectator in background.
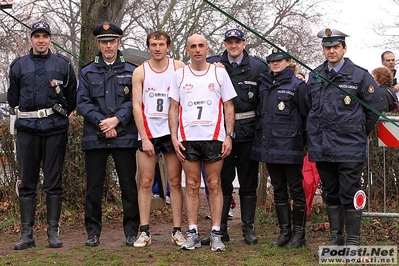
(384, 78)
(388, 60)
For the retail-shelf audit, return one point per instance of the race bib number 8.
(158, 107)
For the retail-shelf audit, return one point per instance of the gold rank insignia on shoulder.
(126, 90)
(371, 89)
(57, 90)
(281, 106)
(347, 100)
(250, 94)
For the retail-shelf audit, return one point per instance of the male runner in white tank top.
(151, 83)
(201, 105)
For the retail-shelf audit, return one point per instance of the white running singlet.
(201, 95)
(156, 102)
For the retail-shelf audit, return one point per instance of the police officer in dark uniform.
(279, 142)
(244, 72)
(105, 100)
(337, 130)
(42, 89)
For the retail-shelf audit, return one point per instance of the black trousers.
(125, 165)
(284, 176)
(340, 182)
(47, 152)
(247, 170)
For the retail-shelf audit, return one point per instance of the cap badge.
(347, 100)
(371, 89)
(281, 106)
(106, 26)
(328, 32)
(275, 50)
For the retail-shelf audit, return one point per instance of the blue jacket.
(245, 81)
(280, 130)
(338, 125)
(106, 91)
(38, 82)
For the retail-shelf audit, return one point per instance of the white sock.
(193, 226)
(216, 228)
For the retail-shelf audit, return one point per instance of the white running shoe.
(231, 214)
(216, 241)
(178, 238)
(193, 240)
(143, 240)
(167, 200)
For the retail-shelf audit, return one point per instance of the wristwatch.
(231, 135)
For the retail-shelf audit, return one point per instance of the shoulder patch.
(371, 89)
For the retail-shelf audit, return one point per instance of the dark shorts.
(206, 151)
(162, 144)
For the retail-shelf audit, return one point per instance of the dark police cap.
(40, 26)
(234, 33)
(331, 37)
(276, 54)
(107, 31)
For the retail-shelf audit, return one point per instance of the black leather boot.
(298, 227)
(353, 220)
(28, 209)
(248, 208)
(223, 223)
(53, 218)
(283, 211)
(336, 219)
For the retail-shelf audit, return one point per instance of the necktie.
(234, 65)
(332, 74)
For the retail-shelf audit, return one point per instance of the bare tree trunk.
(93, 13)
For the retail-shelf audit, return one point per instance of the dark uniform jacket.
(106, 91)
(245, 81)
(38, 82)
(389, 100)
(280, 131)
(338, 125)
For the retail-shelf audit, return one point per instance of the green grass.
(375, 231)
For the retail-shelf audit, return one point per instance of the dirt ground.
(112, 234)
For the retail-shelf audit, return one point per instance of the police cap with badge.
(234, 33)
(40, 26)
(107, 31)
(276, 54)
(331, 37)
